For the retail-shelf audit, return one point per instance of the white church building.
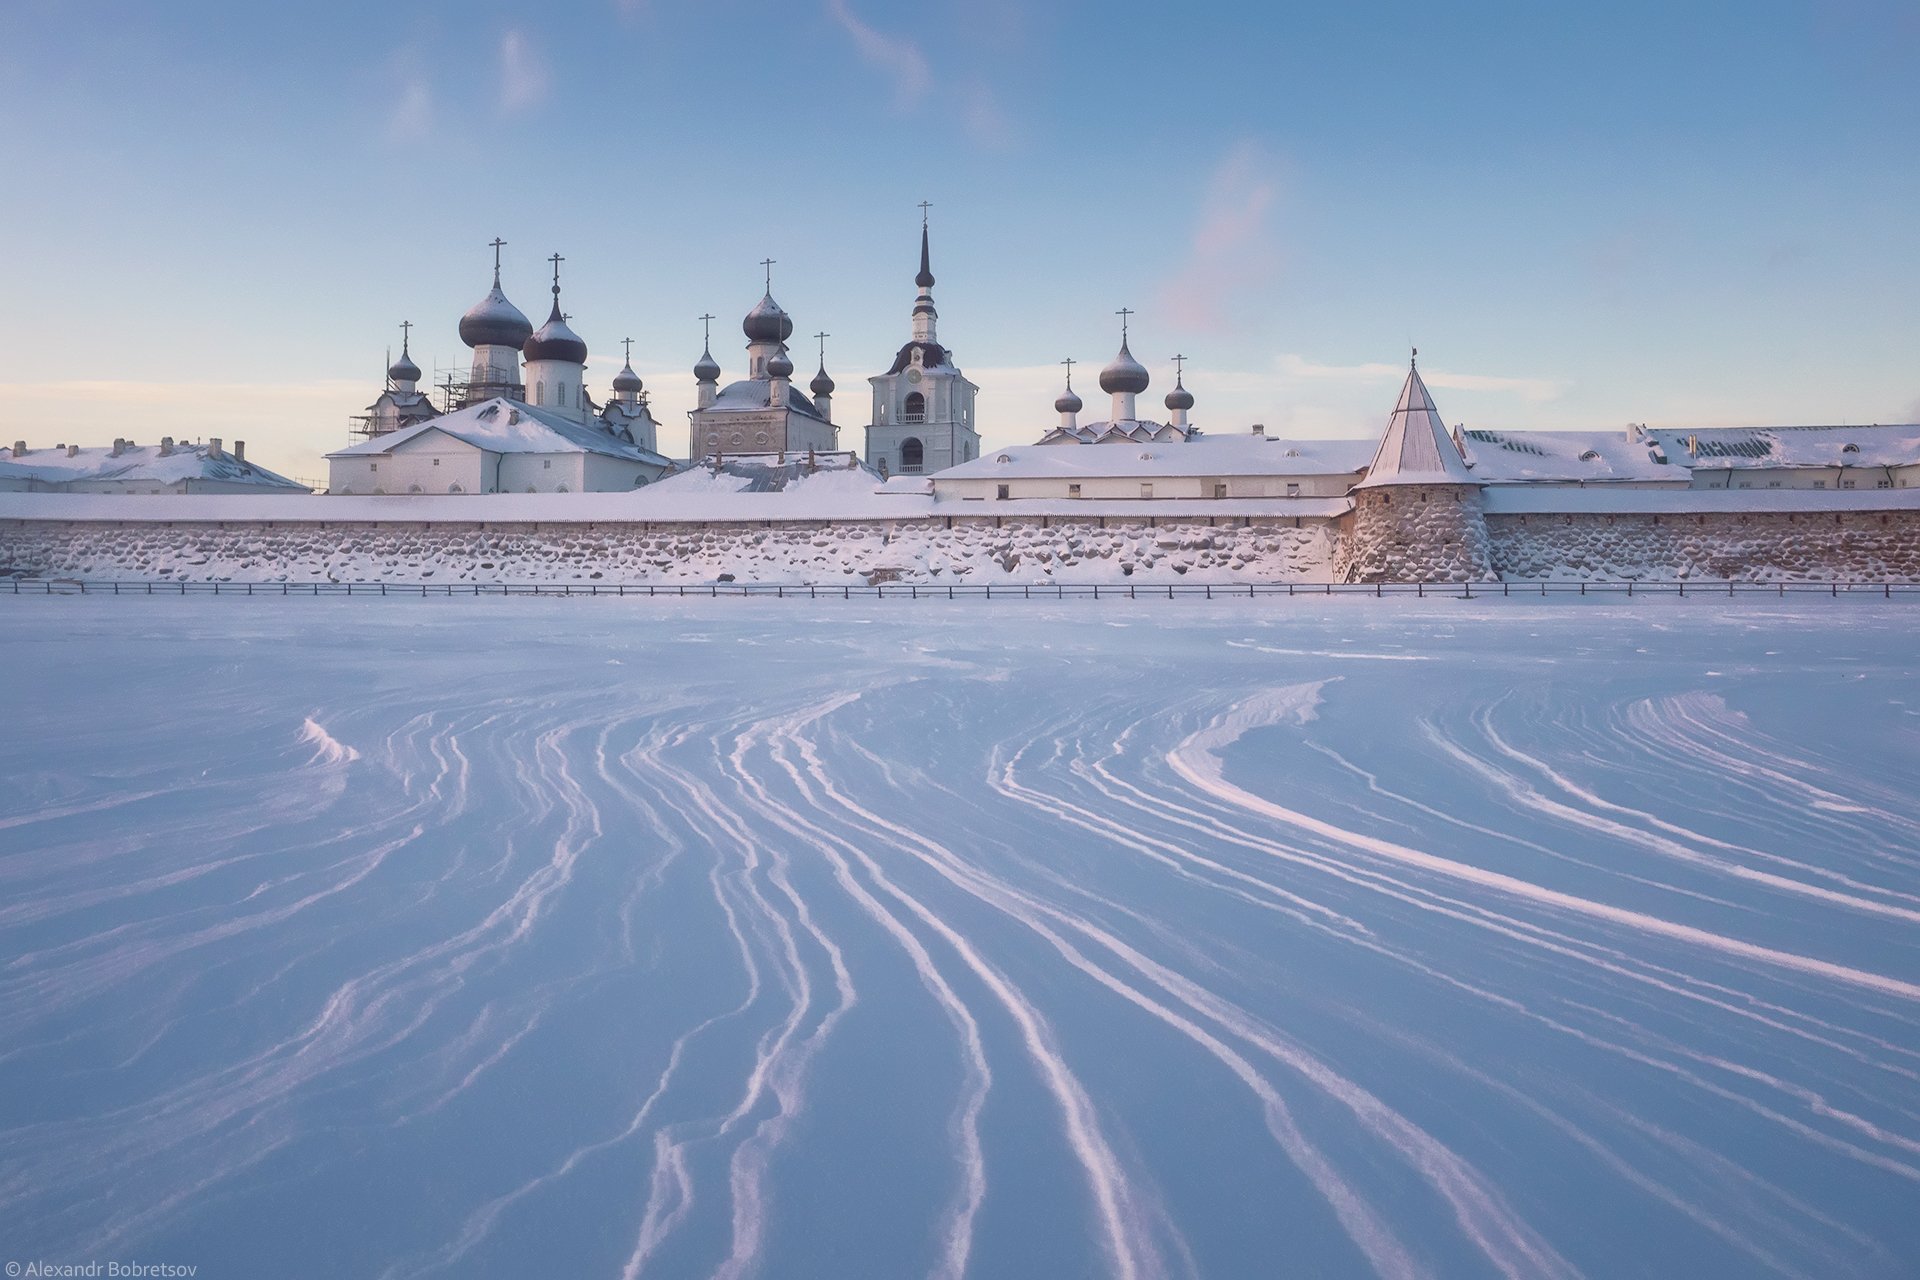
(762, 412)
(522, 421)
(923, 407)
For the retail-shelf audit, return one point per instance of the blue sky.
(1584, 215)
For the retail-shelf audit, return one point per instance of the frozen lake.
(599, 938)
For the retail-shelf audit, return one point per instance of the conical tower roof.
(1417, 448)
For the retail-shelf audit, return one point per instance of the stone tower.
(1417, 514)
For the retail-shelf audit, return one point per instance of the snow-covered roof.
(1118, 431)
(137, 464)
(1416, 448)
(501, 425)
(1247, 455)
(751, 395)
(1741, 448)
(1623, 500)
(767, 473)
(695, 496)
(1521, 457)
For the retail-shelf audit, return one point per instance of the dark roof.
(932, 356)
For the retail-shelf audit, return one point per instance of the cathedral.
(519, 421)
(762, 412)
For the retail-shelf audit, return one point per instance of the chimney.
(213, 447)
(19, 448)
(1260, 428)
(239, 450)
(73, 451)
(119, 446)
(166, 446)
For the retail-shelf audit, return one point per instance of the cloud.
(1533, 390)
(987, 125)
(1232, 252)
(897, 56)
(523, 75)
(411, 119)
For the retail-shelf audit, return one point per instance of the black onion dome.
(925, 278)
(1179, 397)
(1067, 403)
(627, 379)
(767, 322)
(821, 385)
(404, 369)
(493, 321)
(706, 368)
(781, 366)
(1124, 374)
(555, 341)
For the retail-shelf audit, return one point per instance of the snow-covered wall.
(914, 550)
(1756, 545)
(1416, 533)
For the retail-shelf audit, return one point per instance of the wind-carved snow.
(1352, 937)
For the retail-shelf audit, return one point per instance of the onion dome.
(781, 366)
(1068, 403)
(767, 322)
(706, 368)
(555, 341)
(1124, 374)
(821, 385)
(627, 380)
(1179, 397)
(404, 369)
(493, 321)
(925, 278)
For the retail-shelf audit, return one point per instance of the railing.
(961, 591)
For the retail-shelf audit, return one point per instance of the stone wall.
(1751, 546)
(1415, 533)
(1075, 550)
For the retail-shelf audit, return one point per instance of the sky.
(217, 215)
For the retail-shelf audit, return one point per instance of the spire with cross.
(1123, 313)
(627, 345)
(706, 329)
(498, 244)
(406, 334)
(822, 337)
(556, 260)
(768, 264)
(1179, 368)
(1069, 362)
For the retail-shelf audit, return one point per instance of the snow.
(1622, 500)
(1416, 447)
(1520, 457)
(501, 425)
(1746, 448)
(137, 463)
(1246, 455)
(601, 938)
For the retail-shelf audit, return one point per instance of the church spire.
(924, 316)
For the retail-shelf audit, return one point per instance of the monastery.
(519, 469)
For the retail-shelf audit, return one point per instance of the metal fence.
(962, 591)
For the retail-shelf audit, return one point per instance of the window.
(1005, 491)
(1883, 484)
(546, 464)
(1847, 484)
(1293, 490)
(1146, 491)
(1219, 488)
(540, 391)
(913, 454)
(914, 409)
(1073, 491)
(436, 462)
(373, 466)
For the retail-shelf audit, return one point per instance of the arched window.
(913, 454)
(540, 392)
(914, 410)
